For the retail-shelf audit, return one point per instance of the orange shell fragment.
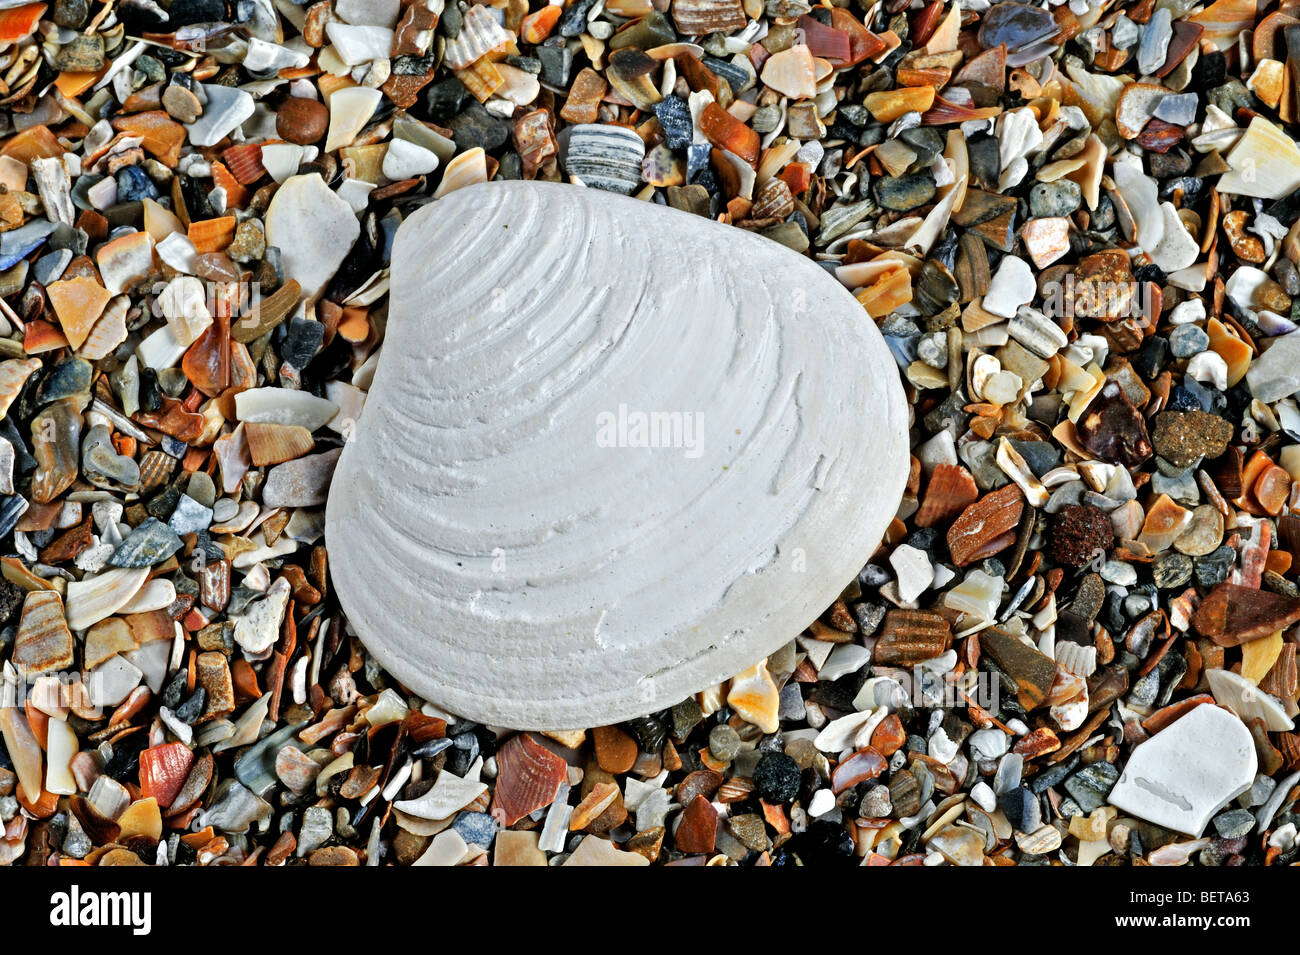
(19, 22)
(212, 235)
(35, 143)
(78, 303)
(162, 137)
(726, 132)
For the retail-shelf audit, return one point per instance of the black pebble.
(777, 778)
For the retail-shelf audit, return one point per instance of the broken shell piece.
(184, 305)
(356, 44)
(284, 406)
(1018, 135)
(13, 375)
(313, 228)
(1186, 773)
(1136, 106)
(108, 332)
(24, 751)
(701, 17)
(1264, 163)
(1268, 81)
(754, 697)
(54, 186)
(276, 443)
(1046, 240)
(282, 160)
(1138, 191)
(225, 110)
(1223, 21)
(124, 261)
(791, 73)
(1165, 523)
(1176, 249)
(479, 34)
(467, 169)
(449, 795)
(60, 746)
(1248, 701)
(1012, 286)
(259, 625)
(350, 110)
(1014, 467)
(78, 303)
(888, 106)
(94, 598)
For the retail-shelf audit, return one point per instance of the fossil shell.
(510, 550)
(912, 636)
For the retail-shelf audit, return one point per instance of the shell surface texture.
(613, 455)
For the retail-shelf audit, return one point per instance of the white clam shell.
(497, 538)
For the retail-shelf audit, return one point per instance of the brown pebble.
(1113, 430)
(702, 782)
(302, 121)
(1081, 533)
(646, 843)
(615, 750)
(118, 857)
(282, 849)
(181, 104)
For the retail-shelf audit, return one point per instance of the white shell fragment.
(479, 33)
(102, 595)
(225, 109)
(359, 44)
(1264, 163)
(1012, 286)
(350, 110)
(582, 492)
(1188, 771)
(1177, 249)
(279, 406)
(313, 228)
(1248, 701)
